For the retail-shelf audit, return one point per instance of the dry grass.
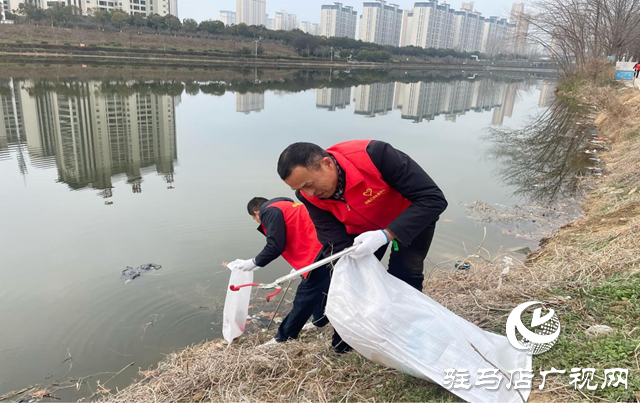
(300, 371)
(607, 242)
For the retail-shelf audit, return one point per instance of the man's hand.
(243, 265)
(369, 242)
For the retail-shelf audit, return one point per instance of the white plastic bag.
(393, 324)
(236, 305)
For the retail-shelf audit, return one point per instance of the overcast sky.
(309, 10)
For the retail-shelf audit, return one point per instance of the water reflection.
(333, 98)
(545, 160)
(249, 102)
(426, 100)
(91, 134)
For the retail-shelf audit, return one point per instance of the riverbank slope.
(55, 45)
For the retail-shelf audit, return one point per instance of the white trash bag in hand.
(391, 323)
(236, 304)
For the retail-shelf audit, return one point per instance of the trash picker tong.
(294, 275)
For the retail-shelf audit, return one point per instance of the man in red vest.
(290, 234)
(366, 192)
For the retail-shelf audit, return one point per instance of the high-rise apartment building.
(433, 25)
(271, 24)
(285, 21)
(173, 8)
(521, 30)
(467, 31)
(310, 28)
(338, 20)
(497, 36)
(228, 18)
(429, 25)
(144, 7)
(251, 12)
(380, 23)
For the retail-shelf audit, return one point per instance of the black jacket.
(404, 175)
(273, 221)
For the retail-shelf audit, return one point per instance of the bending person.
(368, 193)
(290, 234)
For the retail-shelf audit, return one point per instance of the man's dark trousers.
(310, 300)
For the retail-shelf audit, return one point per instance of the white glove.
(369, 242)
(243, 265)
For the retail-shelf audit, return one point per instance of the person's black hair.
(255, 204)
(306, 155)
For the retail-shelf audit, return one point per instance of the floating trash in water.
(460, 266)
(130, 273)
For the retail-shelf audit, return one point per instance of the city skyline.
(310, 10)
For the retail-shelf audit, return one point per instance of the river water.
(98, 175)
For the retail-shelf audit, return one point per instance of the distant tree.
(119, 18)
(190, 26)
(245, 51)
(306, 42)
(191, 88)
(31, 12)
(72, 14)
(373, 55)
(55, 14)
(156, 22)
(102, 17)
(212, 27)
(173, 23)
(138, 20)
(243, 30)
(260, 49)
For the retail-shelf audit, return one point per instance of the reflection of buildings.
(93, 136)
(373, 99)
(506, 109)
(332, 98)
(546, 94)
(426, 100)
(249, 102)
(11, 118)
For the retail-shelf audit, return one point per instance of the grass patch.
(614, 302)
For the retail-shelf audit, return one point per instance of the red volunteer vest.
(302, 242)
(370, 203)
